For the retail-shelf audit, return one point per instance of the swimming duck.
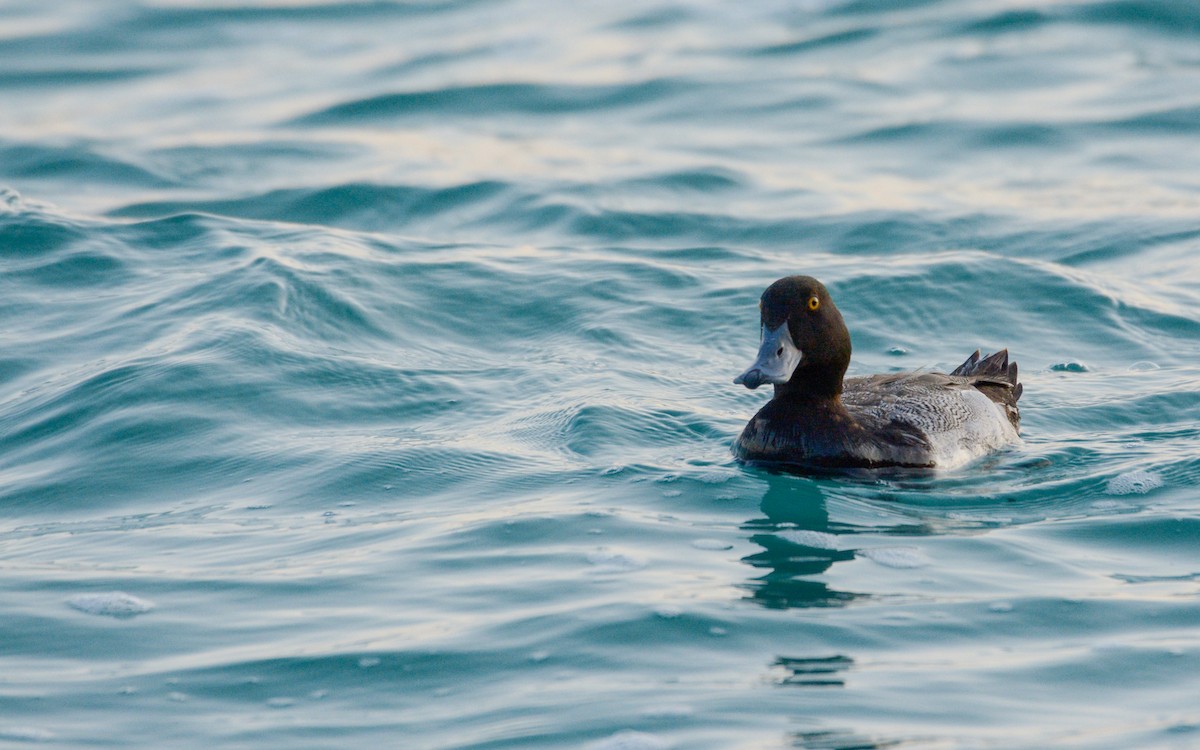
(820, 418)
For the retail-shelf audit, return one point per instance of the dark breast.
(825, 434)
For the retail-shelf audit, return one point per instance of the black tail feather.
(994, 369)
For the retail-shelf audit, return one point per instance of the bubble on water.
(808, 538)
(628, 739)
(669, 611)
(1134, 483)
(1143, 367)
(111, 604)
(1069, 367)
(895, 557)
(613, 561)
(711, 544)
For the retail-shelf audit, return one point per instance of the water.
(365, 374)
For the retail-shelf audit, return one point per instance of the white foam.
(629, 739)
(1134, 483)
(807, 538)
(895, 557)
(110, 604)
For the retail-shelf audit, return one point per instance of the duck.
(819, 418)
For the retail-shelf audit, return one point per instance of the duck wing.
(929, 418)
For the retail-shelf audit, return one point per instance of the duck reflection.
(797, 542)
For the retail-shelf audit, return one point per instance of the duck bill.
(777, 359)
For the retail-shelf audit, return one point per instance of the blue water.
(365, 373)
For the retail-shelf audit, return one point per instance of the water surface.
(365, 373)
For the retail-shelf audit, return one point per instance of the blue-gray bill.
(776, 361)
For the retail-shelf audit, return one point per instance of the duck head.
(805, 346)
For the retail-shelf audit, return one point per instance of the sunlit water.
(365, 374)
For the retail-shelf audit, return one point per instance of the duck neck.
(813, 384)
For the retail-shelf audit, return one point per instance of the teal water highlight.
(365, 374)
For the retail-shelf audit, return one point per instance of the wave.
(515, 98)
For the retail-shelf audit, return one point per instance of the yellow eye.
(813, 303)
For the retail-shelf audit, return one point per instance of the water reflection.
(823, 671)
(797, 543)
(839, 740)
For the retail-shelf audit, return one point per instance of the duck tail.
(994, 369)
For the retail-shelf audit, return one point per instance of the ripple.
(1172, 120)
(78, 162)
(26, 734)
(1165, 17)
(49, 77)
(824, 41)
(356, 206)
(502, 98)
(1008, 21)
